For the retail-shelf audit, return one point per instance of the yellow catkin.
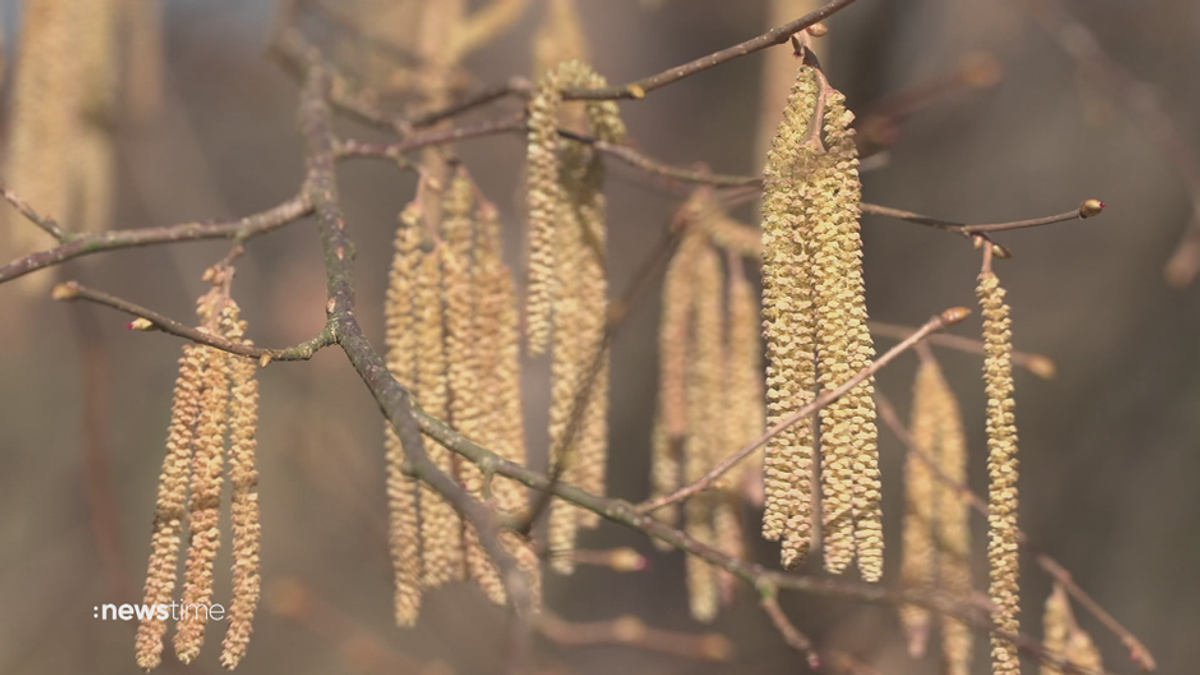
(204, 507)
(541, 200)
(501, 370)
(744, 417)
(743, 370)
(462, 338)
(706, 407)
(441, 527)
(172, 498)
(917, 563)
(1003, 550)
(1064, 639)
(844, 348)
(402, 490)
(42, 126)
(953, 527)
(788, 326)
(247, 534)
(568, 372)
(732, 235)
(579, 293)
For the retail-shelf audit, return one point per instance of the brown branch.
(791, 635)
(50, 225)
(316, 127)
(766, 581)
(396, 150)
(775, 36)
(946, 318)
(73, 290)
(1087, 209)
(1038, 364)
(85, 244)
(1137, 651)
(516, 86)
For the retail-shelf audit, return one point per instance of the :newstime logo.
(175, 611)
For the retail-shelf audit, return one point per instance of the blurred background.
(1108, 447)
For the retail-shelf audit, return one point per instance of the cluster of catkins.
(213, 422)
(567, 295)
(710, 389)
(452, 339)
(814, 321)
(937, 533)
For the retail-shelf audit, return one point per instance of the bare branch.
(775, 36)
(50, 225)
(73, 290)
(85, 244)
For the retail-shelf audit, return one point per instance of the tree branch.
(946, 318)
(775, 36)
(73, 290)
(85, 244)
(316, 128)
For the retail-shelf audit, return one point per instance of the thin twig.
(775, 36)
(1110, 75)
(85, 244)
(970, 230)
(1138, 652)
(946, 318)
(791, 635)
(50, 225)
(1038, 364)
(73, 290)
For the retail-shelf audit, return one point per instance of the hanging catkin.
(402, 490)
(215, 410)
(452, 338)
(1003, 550)
(953, 527)
(1064, 639)
(918, 557)
(788, 326)
(815, 324)
(567, 301)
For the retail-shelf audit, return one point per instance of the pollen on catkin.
(567, 297)
(247, 533)
(788, 323)
(1062, 637)
(169, 512)
(918, 557)
(1003, 549)
(216, 403)
(815, 325)
(952, 527)
(453, 339)
(204, 506)
(403, 490)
